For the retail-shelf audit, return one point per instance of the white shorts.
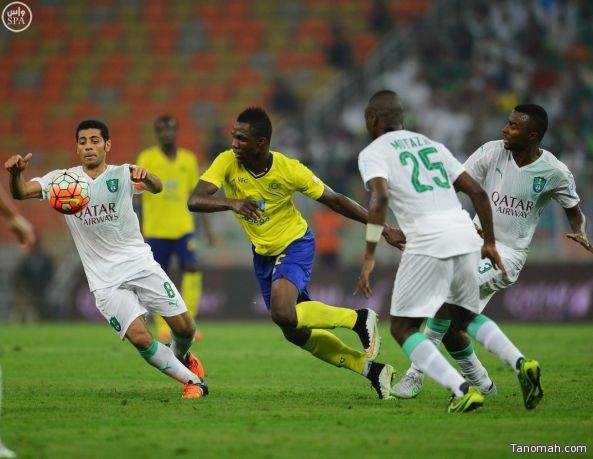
(491, 280)
(423, 283)
(149, 290)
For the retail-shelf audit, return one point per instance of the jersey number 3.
(443, 181)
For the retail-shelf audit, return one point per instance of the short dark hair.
(387, 104)
(165, 119)
(538, 118)
(93, 124)
(258, 120)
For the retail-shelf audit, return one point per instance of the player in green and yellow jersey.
(167, 224)
(258, 186)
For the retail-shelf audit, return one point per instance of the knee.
(185, 330)
(297, 336)
(183, 326)
(283, 317)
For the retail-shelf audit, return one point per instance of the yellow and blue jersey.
(281, 223)
(165, 215)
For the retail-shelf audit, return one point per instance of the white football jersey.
(420, 175)
(107, 232)
(518, 195)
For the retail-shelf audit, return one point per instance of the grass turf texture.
(75, 391)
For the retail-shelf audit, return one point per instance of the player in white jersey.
(120, 268)
(418, 179)
(520, 179)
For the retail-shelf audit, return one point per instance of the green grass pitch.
(75, 391)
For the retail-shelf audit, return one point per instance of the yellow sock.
(191, 291)
(162, 329)
(327, 347)
(314, 314)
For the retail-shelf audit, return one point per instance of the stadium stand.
(126, 62)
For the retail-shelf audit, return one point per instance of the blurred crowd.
(462, 68)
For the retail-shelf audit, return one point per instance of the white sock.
(427, 358)
(471, 368)
(161, 357)
(495, 341)
(434, 330)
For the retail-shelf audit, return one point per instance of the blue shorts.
(293, 264)
(184, 248)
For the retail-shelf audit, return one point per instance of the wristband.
(374, 232)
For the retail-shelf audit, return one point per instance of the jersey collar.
(265, 171)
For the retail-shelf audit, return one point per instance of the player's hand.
(363, 285)
(24, 232)
(17, 164)
(582, 240)
(138, 174)
(489, 251)
(395, 237)
(247, 207)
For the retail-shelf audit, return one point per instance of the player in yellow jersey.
(258, 187)
(167, 224)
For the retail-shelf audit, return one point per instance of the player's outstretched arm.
(19, 225)
(466, 184)
(202, 199)
(351, 209)
(19, 188)
(343, 205)
(577, 221)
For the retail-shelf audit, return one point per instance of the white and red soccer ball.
(69, 193)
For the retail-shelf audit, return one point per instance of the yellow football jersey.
(165, 215)
(280, 223)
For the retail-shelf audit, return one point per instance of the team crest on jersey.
(112, 185)
(538, 184)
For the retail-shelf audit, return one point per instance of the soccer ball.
(69, 193)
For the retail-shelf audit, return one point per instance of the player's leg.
(465, 293)
(427, 357)
(436, 328)
(461, 349)
(411, 302)
(321, 343)
(191, 280)
(488, 333)
(122, 309)
(364, 322)
(156, 290)
(329, 348)
(159, 294)
(162, 250)
(283, 281)
(295, 265)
